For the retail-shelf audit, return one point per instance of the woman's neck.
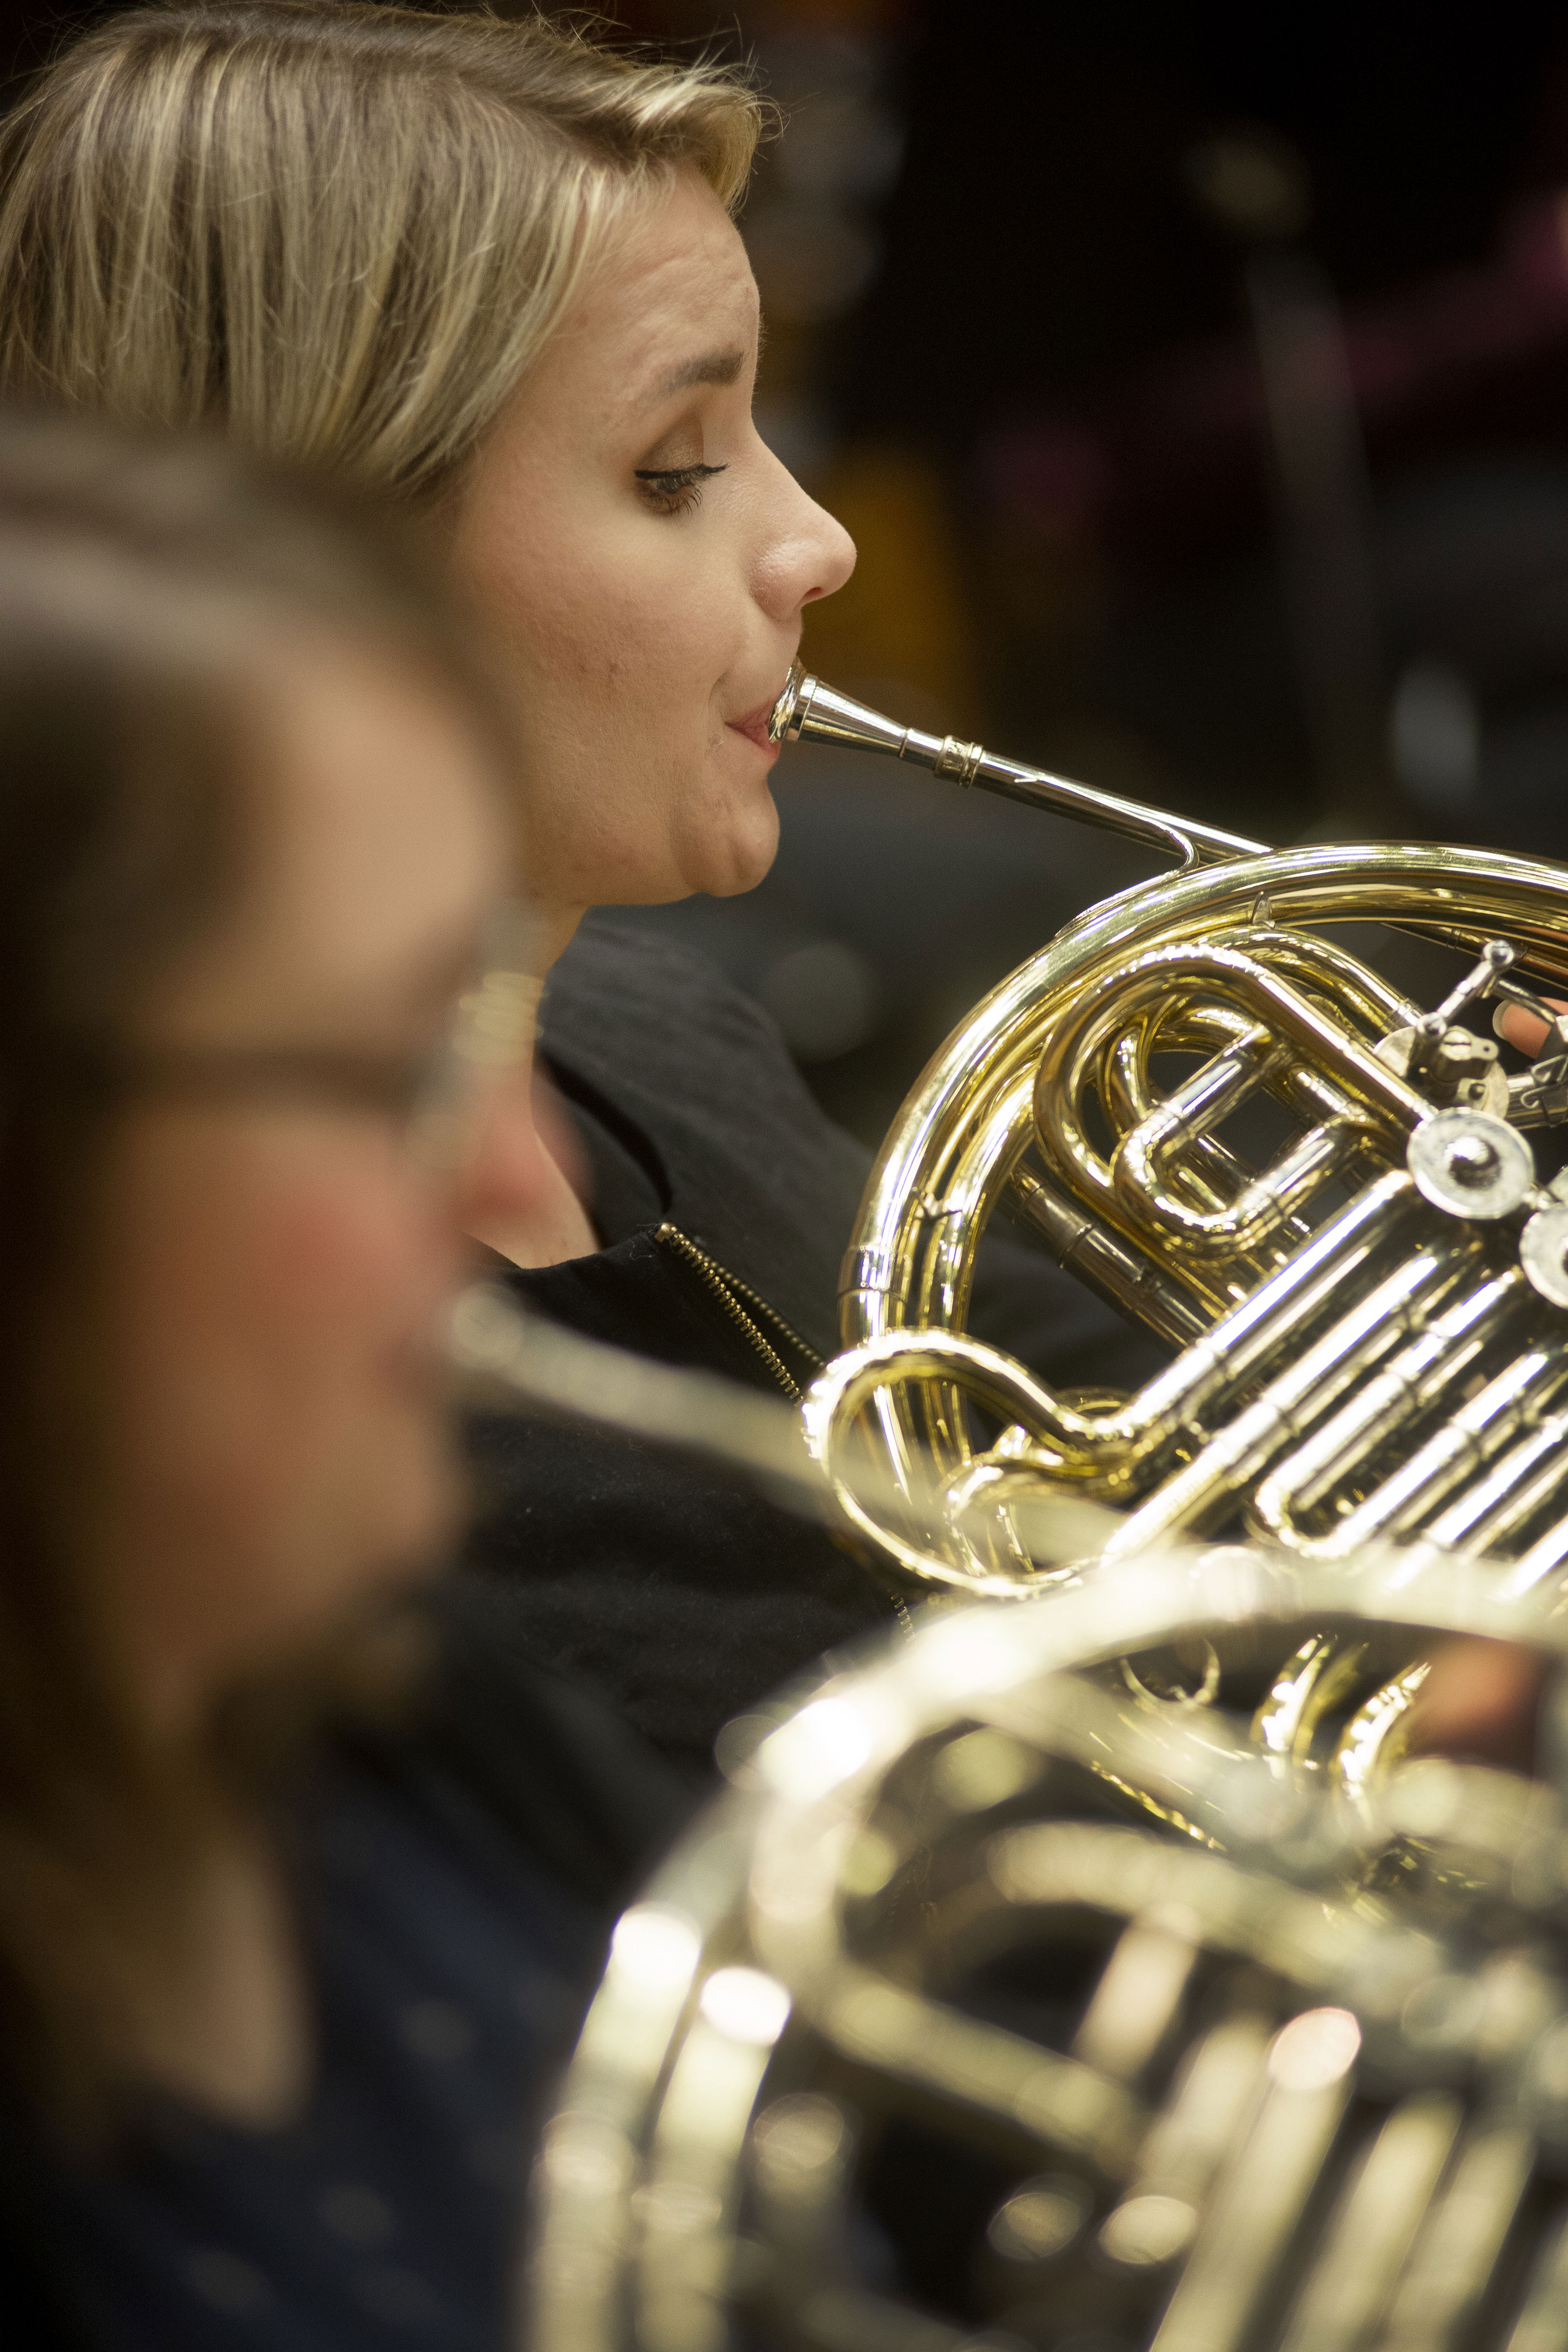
(558, 928)
(215, 2009)
(559, 1227)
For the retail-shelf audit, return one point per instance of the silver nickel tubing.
(808, 711)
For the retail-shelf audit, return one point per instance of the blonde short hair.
(342, 233)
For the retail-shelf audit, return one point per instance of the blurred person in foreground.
(300, 1876)
(488, 271)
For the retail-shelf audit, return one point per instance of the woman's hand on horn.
(1517, 1025)
(1480, 1703)
(1482, 1697)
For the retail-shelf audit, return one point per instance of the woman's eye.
(675, 489)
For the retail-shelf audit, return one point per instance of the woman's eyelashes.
(674, 489)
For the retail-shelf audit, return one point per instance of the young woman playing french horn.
(489, 270)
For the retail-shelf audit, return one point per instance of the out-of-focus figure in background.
(568, 415)
(272, 2002)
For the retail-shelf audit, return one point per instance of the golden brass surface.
(1371, 1324)
(1097, 1968)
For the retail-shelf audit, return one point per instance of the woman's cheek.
(655, 617)
(323, 1251)
(270, 1345)
(329, 1286)
(623, 703)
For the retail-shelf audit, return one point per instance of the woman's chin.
(727, 863)
(419, 1507)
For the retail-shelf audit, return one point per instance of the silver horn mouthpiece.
(808, 711)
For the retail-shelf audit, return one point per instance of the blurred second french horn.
(984, 2014)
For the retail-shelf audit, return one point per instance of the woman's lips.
(753, 727)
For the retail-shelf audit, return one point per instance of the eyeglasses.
(434, 1101)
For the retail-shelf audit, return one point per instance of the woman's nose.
(809, 554)
(503, 1180)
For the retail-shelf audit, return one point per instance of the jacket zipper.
(729, 1292)
(746, 1309)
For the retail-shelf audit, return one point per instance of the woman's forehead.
(377, 848)
(677, 294)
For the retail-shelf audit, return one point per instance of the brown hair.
(342, 233)
(137, 581)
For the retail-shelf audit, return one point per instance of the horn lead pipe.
(810, 712)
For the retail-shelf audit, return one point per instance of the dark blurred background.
(1194, 382)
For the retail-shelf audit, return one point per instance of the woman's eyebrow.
(714, 367)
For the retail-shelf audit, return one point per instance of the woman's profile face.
(644, 559)
(274, 1267)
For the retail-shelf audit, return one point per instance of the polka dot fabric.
(448, 1974)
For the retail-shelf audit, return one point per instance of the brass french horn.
(1373, 1328)
(1092, 1970)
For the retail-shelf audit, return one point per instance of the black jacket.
(683, 1598)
